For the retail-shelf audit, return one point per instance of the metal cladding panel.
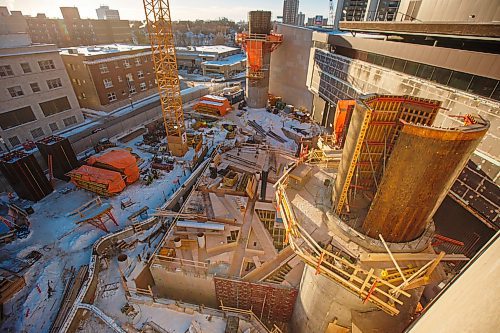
(25, 176)
(63, 156)
(422, 167)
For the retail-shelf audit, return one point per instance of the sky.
(180, 9)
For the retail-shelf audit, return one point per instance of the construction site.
(240, 213)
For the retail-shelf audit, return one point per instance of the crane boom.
(159, 25)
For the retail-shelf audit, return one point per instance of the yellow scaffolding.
(159, 26)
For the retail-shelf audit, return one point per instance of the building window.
(53, 127)
(46, 65)
(26, 67)
(15, 91)
(131, 90)
(111, 97)
(145, 59)
(6, 71)
(37, 133)
(55, 106)
(103, 68)
(126, 63)
(69, 121)
(123, 92)
(83, 96)
(120, 79)
(107, 83)
(482, 86)
(14, 141)
(441, 75)
(143, 86)
(54, 83)
(16, 117)
(460, 80)
(35, 87)
(137, 61)
(140, 74)
(130, 77)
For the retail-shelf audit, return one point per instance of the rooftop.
(231, 60)
(207, 49)
(103, 49)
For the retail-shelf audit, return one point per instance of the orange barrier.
(117, 160)
(342, 115)
(101, 181)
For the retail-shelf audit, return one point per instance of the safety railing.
(366, 284)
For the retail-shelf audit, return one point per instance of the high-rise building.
(301, 17)
(35, 91)
(104, 13)
(290, 11)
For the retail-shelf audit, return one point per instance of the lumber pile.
(71, 290)
(10, 284)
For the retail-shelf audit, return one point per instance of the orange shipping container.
(117, 160)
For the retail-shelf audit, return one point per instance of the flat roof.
(207, 48)
(231, 60)
(104, 49)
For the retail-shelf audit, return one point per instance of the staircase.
(279, 275)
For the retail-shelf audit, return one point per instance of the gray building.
(301, 18)
(104, 13)
(366, 10)
(36, 96)
(290, 11)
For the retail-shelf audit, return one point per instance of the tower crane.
(159, 25)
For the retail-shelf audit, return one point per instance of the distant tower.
(258, 43)
(301, 17)
(290, 11)
(104, 13)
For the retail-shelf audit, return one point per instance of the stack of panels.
(63, 156)
(25, 175)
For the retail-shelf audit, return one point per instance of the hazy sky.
(180, 9)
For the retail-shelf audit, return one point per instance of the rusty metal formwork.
(422, 168)
(372, 131)
(381, 129)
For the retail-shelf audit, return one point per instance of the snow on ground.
(64, 244)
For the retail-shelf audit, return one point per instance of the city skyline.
(180, 9)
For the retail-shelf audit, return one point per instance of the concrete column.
(257, 90)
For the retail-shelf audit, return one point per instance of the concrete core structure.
(257, 90)
(259, 43)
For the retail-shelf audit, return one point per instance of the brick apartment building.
(105, 74)
(72, 30)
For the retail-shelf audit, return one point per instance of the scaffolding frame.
(255, 46)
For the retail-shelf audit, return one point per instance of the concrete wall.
(289, 66)
(452, 10)
(320, 301)
(183, 287)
